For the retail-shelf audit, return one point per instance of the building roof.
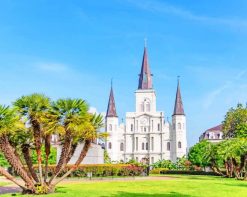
(178, 107)
(111, 108)
(216, 128)
(145, 77)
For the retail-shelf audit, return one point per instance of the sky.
(72, 49)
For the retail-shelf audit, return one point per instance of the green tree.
(235, 123)
(29, 126)
(198, 154)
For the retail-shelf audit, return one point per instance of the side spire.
(111, 109)
(178, 108)
(145, 77)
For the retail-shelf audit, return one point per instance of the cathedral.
(146, 136)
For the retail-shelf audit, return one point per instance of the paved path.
(9, 189)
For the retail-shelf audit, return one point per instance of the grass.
(181, 185)
(3, 184)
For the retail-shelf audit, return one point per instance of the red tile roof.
(216, 128)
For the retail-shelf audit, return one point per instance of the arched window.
(158, 127)
(131, 127)
(147, 146)
(168, 146)
(148, 107)
(142, 107)
(143, 146)
(110, 127)
(179, 126)
(179, 145)
(109, 145)
(121, 146)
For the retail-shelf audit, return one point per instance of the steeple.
(111, 109)
(145, 77)
(178, 108)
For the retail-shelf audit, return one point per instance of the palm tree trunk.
(11, 178)
(15, 162)
(63, 157)
(47, 154)
(38, 144)
(27, 157)
(71, 152)
(78, 162)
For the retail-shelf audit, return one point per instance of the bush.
(157, 170)
(100, 170)
(188, 172)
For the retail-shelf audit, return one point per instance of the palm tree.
(88, 133)
(71, 115)
(9, 124)
(33, 108)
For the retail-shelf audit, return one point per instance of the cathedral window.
(110, 127)
(147, 146)
(179, 145)
(136, 143)
(168, 146)
(152, 125)
(122, 146)
(148, 107)
(143, 146)
(131, 127)
(142, 107)
(174, 126)
(179, 126)
(109, 145)
(145, 129)
(152, 143)
(158, 127)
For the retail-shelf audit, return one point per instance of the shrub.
(157, 170)
(188, 172)
(100, 170)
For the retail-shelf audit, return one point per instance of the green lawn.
(183, 186)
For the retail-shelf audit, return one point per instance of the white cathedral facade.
(146, 136)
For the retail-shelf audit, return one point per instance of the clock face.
(144, 121)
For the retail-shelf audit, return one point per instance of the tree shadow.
(129, 194)
(236, 185)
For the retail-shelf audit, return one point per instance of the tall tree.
(235, 123)
(33, 109)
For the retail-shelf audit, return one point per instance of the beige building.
(213, 134)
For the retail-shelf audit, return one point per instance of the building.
(213, 134)
(95, 154)
(146, 135)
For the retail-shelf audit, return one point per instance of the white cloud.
(52, 67)
(229, 86)
(156, 6)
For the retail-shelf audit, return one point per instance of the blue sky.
(74, 48)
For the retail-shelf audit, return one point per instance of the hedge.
(188, 172)
(100, 170)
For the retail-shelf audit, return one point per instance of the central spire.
(145, 77)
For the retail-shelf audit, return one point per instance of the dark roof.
(145, 77)
(216, 128)
(178, 107)
(111, 109)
